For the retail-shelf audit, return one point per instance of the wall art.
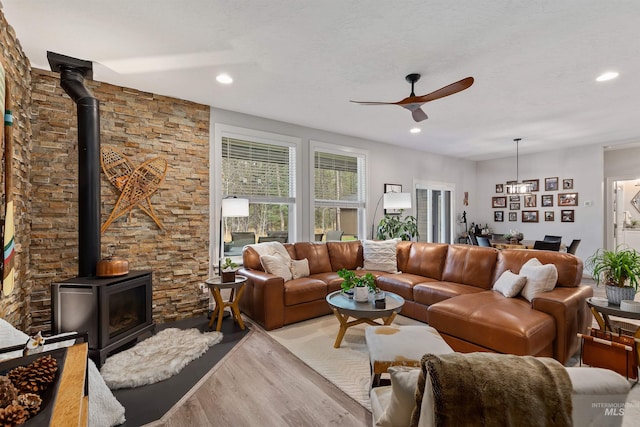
(568, 199)
(567, 184)
(529, 216)
(546, 200)
(499, 202)
(567, 215)
(549, 216)
(551, 184)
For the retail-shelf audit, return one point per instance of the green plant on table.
(352, 280)
(393, 226)
(620, 267)
(228, 265)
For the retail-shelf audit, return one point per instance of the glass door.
(435, 212)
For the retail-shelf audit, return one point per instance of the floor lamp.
(231, 207)
(391, 201)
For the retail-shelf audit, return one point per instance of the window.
(435, 212)
(339, 192)
(264, 172)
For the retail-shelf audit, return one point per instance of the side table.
(216, 284)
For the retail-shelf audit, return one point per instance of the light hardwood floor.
(260, 383)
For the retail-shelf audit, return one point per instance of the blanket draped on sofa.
(495, 390)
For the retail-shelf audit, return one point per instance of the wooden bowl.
(112, 267)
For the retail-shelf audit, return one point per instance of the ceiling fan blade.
(442, 92)
(419, 115)
(374, 103)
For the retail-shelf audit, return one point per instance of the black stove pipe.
(72, 74)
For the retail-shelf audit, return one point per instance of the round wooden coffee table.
(363, 312)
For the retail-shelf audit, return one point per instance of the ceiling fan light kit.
(413, 102)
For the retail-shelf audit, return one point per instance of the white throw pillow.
(540, 278)
(404, 381)
(277, 265)
(299, 268)
(509, 284)
(380, 255)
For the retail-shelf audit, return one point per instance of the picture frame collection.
(564, 198)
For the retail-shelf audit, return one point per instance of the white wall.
(584, 166)
(387, 164)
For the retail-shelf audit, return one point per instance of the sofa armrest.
(568, 307)
(263, 298)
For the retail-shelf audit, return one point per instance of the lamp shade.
(396, 201)
(235, 207)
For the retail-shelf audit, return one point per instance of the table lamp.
(231, 207)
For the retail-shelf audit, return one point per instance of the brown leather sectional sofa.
(447, 286)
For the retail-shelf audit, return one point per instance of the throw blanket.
(488, 389)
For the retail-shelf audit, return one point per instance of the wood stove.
(115, 311)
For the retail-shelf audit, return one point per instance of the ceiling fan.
(413, 102)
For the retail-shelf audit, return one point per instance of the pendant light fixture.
(518, 187)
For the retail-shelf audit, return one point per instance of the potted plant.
(228, 271)
(393, 226)
(358, 286)
(619, 270)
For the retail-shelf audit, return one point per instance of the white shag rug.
(157, 358)
(346, 367)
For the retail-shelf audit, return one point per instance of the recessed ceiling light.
(415, 130)
(609, 75)
(225, 79)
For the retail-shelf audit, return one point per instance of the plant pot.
(615, 294)
(361, 294)
(228, 276)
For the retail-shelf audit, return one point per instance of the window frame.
(363, 180)
(438, 186)
(222, 130)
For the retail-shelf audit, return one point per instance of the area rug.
(346, 367)
(157, 358)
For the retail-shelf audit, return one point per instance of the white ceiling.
(534, 63)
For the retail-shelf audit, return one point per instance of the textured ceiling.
(534, 63)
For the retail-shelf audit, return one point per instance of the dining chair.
(547, 246)
(472, 239)
(573, 246)
(334, 235)
(281, 239)
(483, 241)
(548, 238)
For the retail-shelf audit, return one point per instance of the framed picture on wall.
(568, 199)
(546, 200)
(551, 184)
(514, 206)
(499, 188)
(567, 215)
(549, 216)
(499, 202)
(530, 201)
(514, 198)
(535, 184)
(529, 216)
(392, 188)
(513, 216)
(498, 216)
(567, 184)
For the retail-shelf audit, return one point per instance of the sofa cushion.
(380, 255)
(509, 284)
(503, 325)
(569, 267)
(346, 255)
(317, 254)
(428, 293)
(401, 284)
(426, 259)
(332, 280)
(276, 265)
(470, 265)
(540, 278)
(297, 291)
(404, 381)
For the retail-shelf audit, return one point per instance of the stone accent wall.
(14, 307)
(141, 126)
